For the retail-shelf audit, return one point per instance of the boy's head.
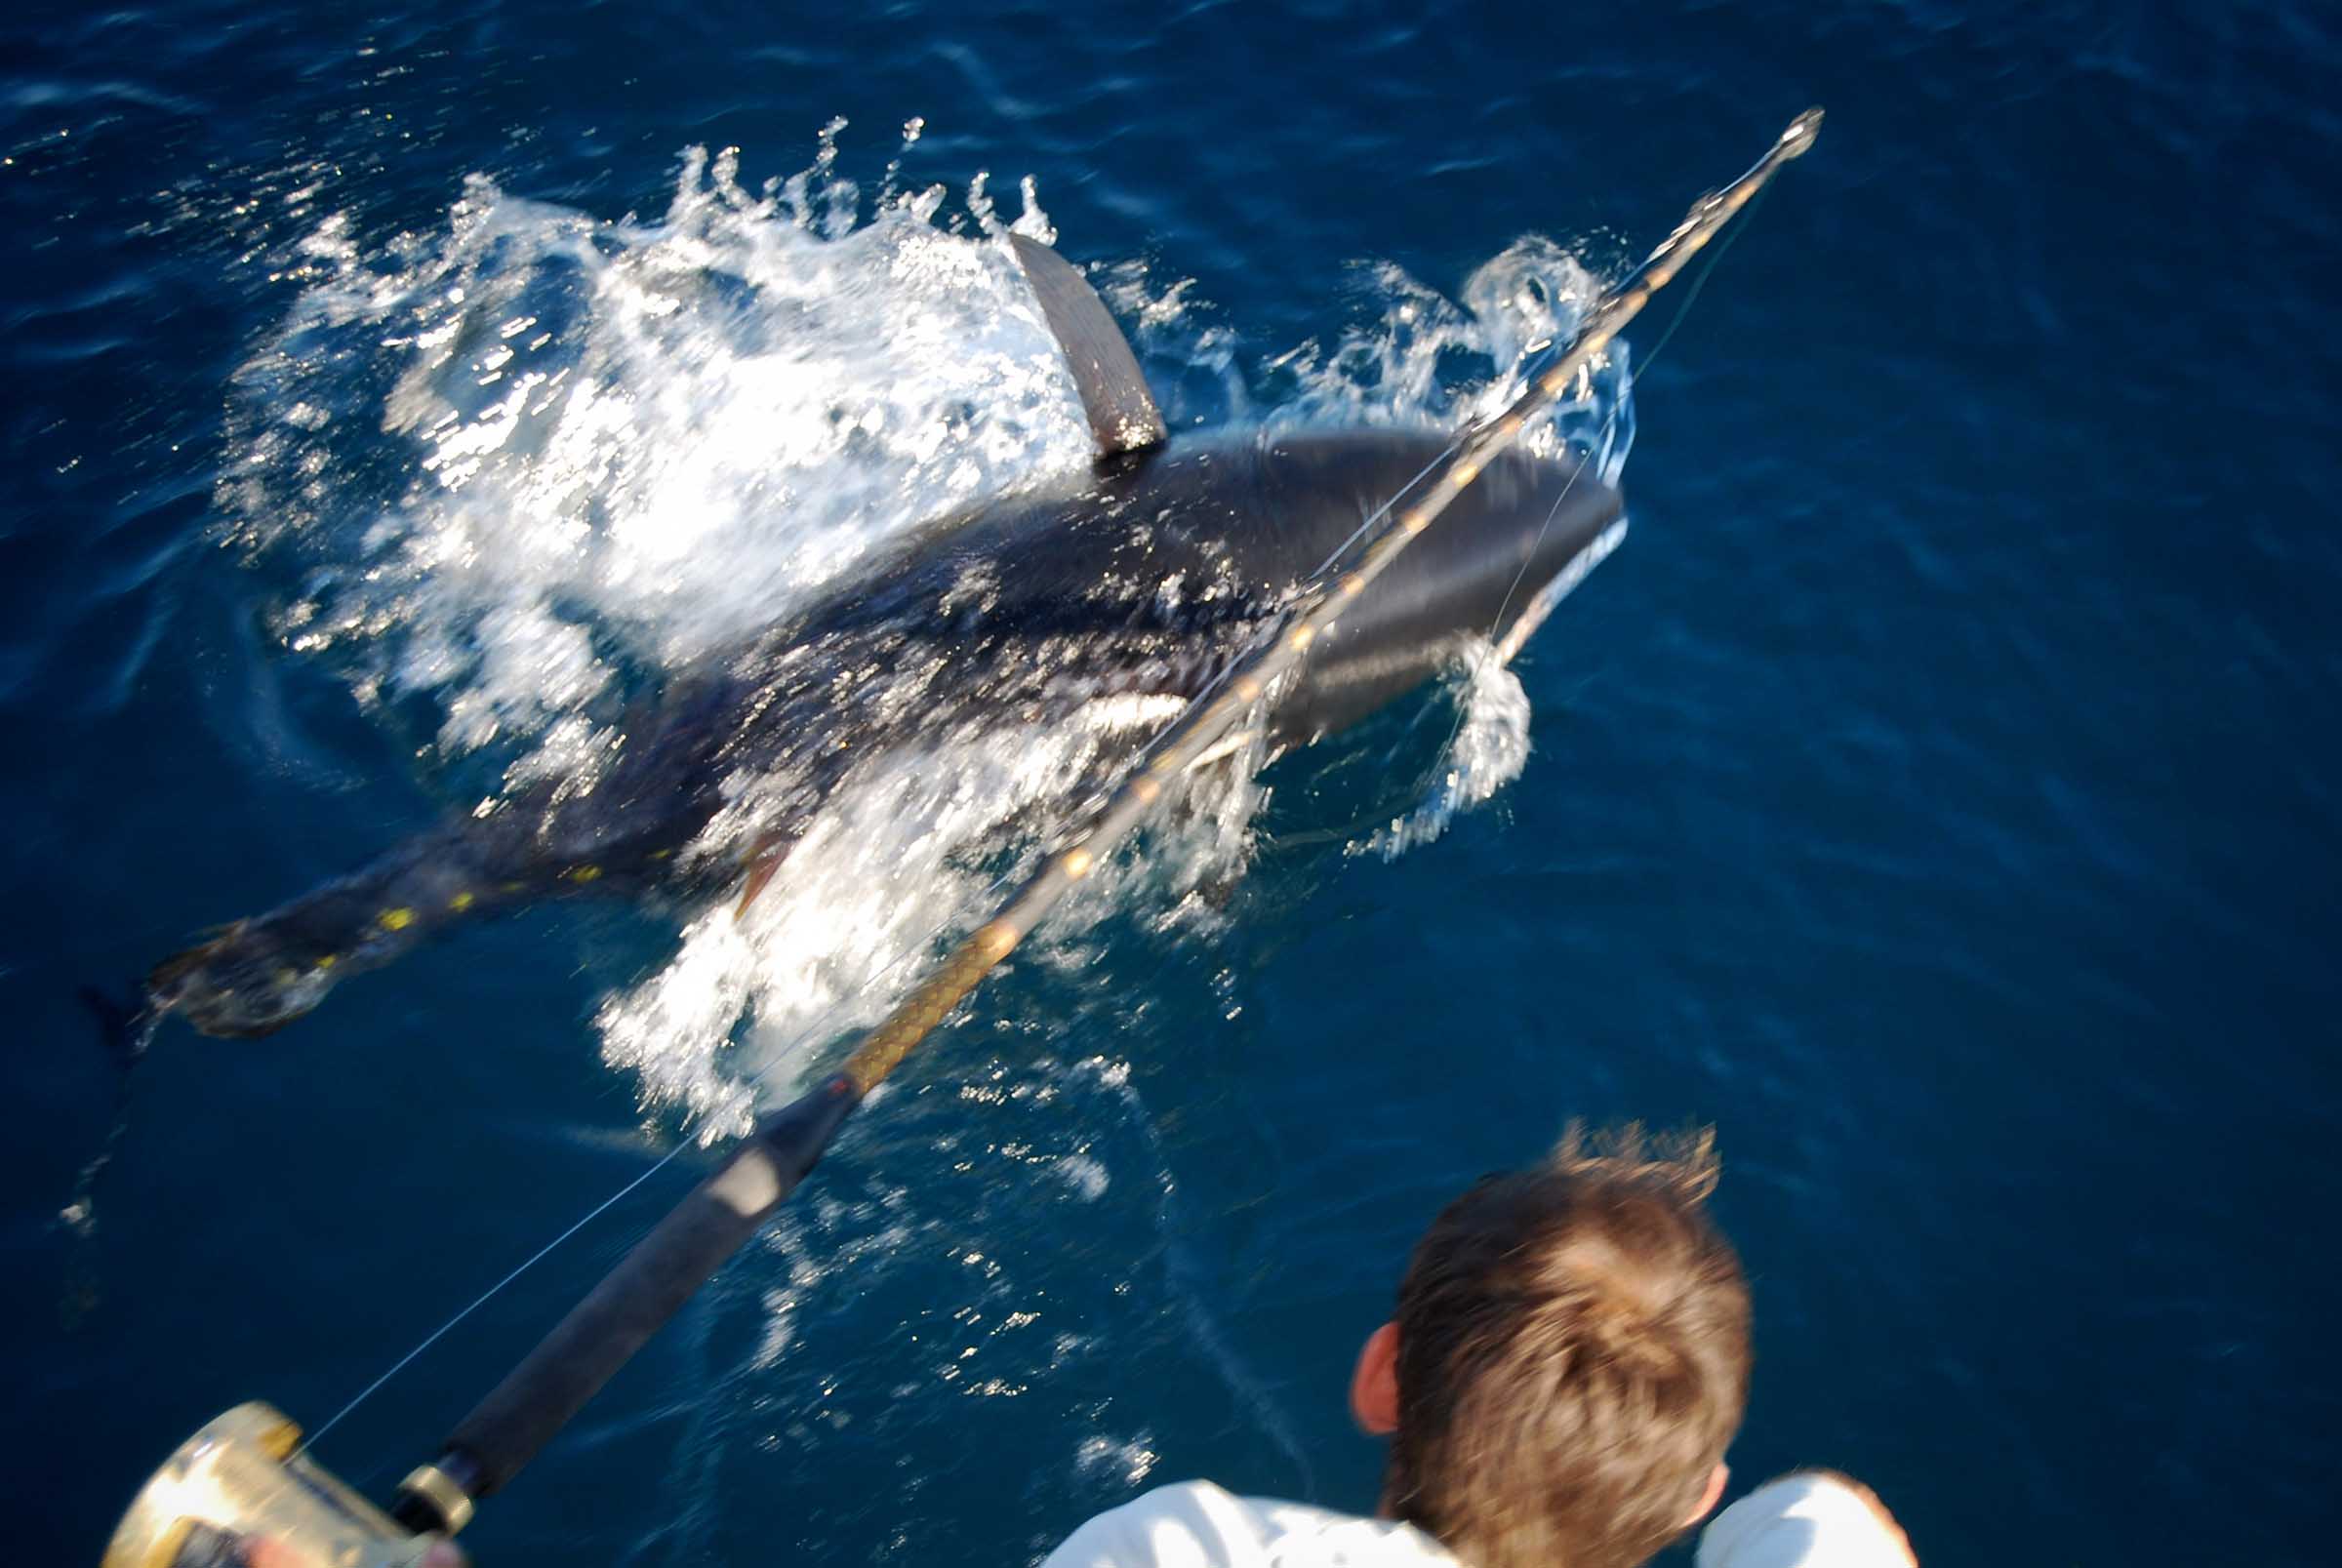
(1569, 1361)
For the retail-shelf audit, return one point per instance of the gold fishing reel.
(241, 1492)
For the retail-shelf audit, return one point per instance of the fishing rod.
(246, 1474)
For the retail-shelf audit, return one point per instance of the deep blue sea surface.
(1937, 793)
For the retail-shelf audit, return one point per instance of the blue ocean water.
(1936, 793)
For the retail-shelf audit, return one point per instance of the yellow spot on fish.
(1077, 863)
(1303, 635)
(584, 873)
(661, 853)
(461, 902)
(397, 919)
(1466, 472)
(515, 887)
(328, 961)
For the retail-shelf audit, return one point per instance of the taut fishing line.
(534, 1258)
(1732, 236)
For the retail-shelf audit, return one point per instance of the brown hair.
(1573, 1357)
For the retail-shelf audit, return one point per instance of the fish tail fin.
(126, 1024)
(252, 977)
(126, 1028)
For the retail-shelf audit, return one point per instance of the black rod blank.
(634, 1301)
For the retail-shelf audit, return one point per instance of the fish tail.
(126, 1027)
(252, 977)
(126, 1024)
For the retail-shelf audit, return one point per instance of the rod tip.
(1800, 132)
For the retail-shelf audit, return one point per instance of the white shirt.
(1811, 1519)
(1808, 1520)
(1197, 1526)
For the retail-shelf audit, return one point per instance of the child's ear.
(1374, 1385)
(1716, 1478)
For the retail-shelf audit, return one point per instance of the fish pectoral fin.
(764, 859)
(1122, 414)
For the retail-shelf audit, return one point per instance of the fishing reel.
(241, 1494)
(244, 1492)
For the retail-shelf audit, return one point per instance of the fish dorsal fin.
(1113, 393)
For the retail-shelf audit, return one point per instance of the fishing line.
(1384, 510)
(128, 1033)
(1609, 428)
(439, 1332)
(823, 1026)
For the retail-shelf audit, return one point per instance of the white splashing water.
(1491, 743)
(522, 460)
(661, 436)
(893, 862)
(1491, 748)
